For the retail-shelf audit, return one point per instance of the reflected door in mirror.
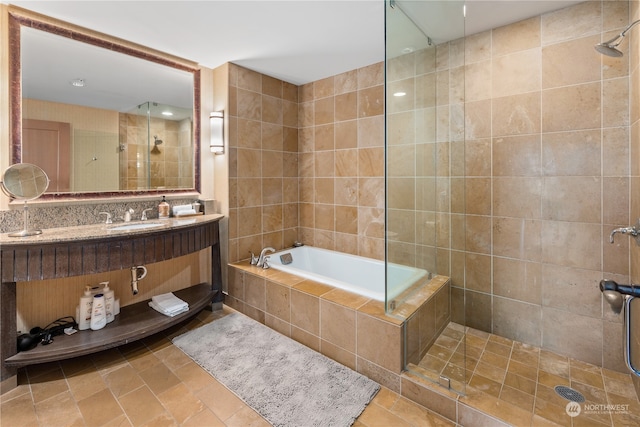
(48, 145)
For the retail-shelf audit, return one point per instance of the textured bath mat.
(284, 381)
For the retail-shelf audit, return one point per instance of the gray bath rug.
(284, 381)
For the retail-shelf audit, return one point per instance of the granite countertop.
(102, 230)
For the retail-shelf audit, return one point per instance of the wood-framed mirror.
(94, 112)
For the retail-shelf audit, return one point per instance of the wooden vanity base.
(36, 259)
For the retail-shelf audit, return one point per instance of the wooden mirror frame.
(21, 18)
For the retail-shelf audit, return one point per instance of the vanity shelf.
(134, 322)
(84, 250)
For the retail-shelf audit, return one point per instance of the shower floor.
(525, 376)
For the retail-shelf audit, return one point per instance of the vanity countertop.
(102, 230)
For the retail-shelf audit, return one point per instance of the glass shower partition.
(424, 151)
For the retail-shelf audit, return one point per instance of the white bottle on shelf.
(109, 301)
(84, 309)
(99, 313)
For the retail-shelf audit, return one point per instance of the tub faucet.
(144, 214)
(263, 255)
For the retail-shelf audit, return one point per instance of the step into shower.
(518, 383)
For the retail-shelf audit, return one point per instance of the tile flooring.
(152, 383)
(525, 376)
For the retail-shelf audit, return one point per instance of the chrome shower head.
(156, 141)
(610, 47)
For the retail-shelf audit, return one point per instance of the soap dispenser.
(84, 309)
(163, 209)
(99, 313)
(109, 301)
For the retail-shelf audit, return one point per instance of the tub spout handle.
(254, 259)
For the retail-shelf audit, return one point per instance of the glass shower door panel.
(422, 137)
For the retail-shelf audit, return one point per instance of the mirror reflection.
(98, 120)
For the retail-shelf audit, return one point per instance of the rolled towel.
(185, 212)
(180, 208)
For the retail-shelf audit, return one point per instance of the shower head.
(156, 141)
(610, 47)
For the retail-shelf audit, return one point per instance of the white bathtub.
(364, 276)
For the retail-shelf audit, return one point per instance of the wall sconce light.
(216, 121)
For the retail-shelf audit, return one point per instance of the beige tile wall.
(341, 155)
(545, 178)
(307, 162)
(263, 162)
(634, 60)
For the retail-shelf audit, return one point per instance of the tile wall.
(263, 162)
(634, 71)
(341, 162)
(545, 178)
(306, 163)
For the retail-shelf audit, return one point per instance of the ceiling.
(298, 41)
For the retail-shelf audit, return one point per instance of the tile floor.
(525, 376)
(152, 383)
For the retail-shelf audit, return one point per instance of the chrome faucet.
(108, 220)
(127, 215)
(263, 255)
(265, 263)
(144, 214)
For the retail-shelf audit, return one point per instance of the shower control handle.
(631, 231)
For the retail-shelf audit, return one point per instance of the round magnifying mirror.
(24, 181)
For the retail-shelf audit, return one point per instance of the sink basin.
(136, 226)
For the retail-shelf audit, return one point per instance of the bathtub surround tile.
(306, 312)
(337, 353)
(379, 342)
(278, 300)
(338, 325)
(351, 329)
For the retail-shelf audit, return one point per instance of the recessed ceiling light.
(167, 113)
(408, 49)
(78, 82)
(400, 94)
